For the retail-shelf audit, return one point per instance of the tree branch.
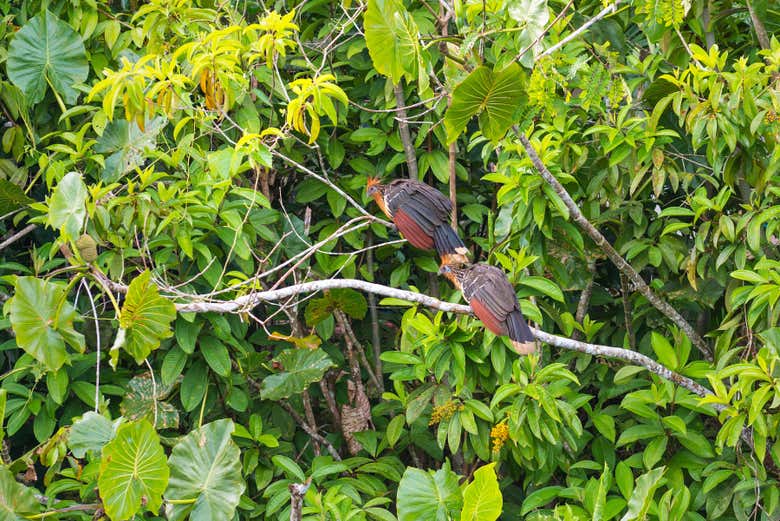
(248, 301)
(758, 25)
(18, 235)
(604, 12)
(641, 286)
(403, 129)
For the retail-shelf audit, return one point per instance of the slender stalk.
(403, 130)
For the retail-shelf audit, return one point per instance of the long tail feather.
(520, 334)
(449, 244)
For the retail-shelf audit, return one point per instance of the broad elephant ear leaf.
(47, 51)
(482, 499)
(43, 321)
(428, 495)
(144, 400)
(146, 317)
(494, 96)
(91, 433)
(301, 368)
(206, 481)
(67, 206)
(127, 146)
(133, 472)
(393, 41)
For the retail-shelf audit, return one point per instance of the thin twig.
(311, 432)
(628, 310)
(97, 342)
(332, 185)
(18, 235)
(544, 33)
(601, 241)
(584, 303)
(604, 12)
(375, 338)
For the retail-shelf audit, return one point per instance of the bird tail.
(449, 245)
(520, 334)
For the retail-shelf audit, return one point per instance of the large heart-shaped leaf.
(126, 146)
(146, 317)
(42, 322)
(206, 480)
(67, 207)
(47, 50)
(495, 96)
(534, 15)
(393, 41)
(482, 499)
(17, 502)
(133, 471)
(428, 495)
(301, 367)
(91, 433)
(144, 401)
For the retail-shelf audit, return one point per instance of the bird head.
(372, 186)
(450, 272)
(445, 269)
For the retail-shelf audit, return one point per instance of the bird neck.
(379, 198)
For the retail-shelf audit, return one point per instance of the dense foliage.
(164, 161)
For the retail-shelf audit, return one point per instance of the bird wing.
(491, 295)
(422, 203)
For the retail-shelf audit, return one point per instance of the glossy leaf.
(43, 321)
(482, 499)
(17, 502)
(301, 368)
(47, 51)
(67, 208)
(146, 316)
(428, 495)
(133, 472)
(205, 467)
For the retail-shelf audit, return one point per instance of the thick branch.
(641, 286)
(758, 25)
(403, 129)
(249, 301)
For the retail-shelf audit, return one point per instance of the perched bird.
(493, 300)
(422, 215)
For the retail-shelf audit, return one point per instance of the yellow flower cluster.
(771, 117)
(445, 412)
(499, 434)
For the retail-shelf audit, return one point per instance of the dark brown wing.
(487, 289)
(424, 204)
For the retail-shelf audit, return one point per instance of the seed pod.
(87, 247)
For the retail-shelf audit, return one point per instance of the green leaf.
(544, 286)
(43, 321)
(91, 433)
(482, 499)
(206, 470)
(640, 500)
(394, 429)
(67, 207)
(12, 197)
(133, 472)
(216, 355)
(146, 316)
(664, 351)
(393, 41)
(433, 496)
(539, 498)
(17, 502)
(193, 386)
(301, 368)
(127, 146)
(605, 424)
(494, 96)
(143, 400)
(289, 467)
(47, 50)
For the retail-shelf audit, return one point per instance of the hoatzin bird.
(493, 300)
(422, 215)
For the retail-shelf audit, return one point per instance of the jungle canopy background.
(205, 318)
